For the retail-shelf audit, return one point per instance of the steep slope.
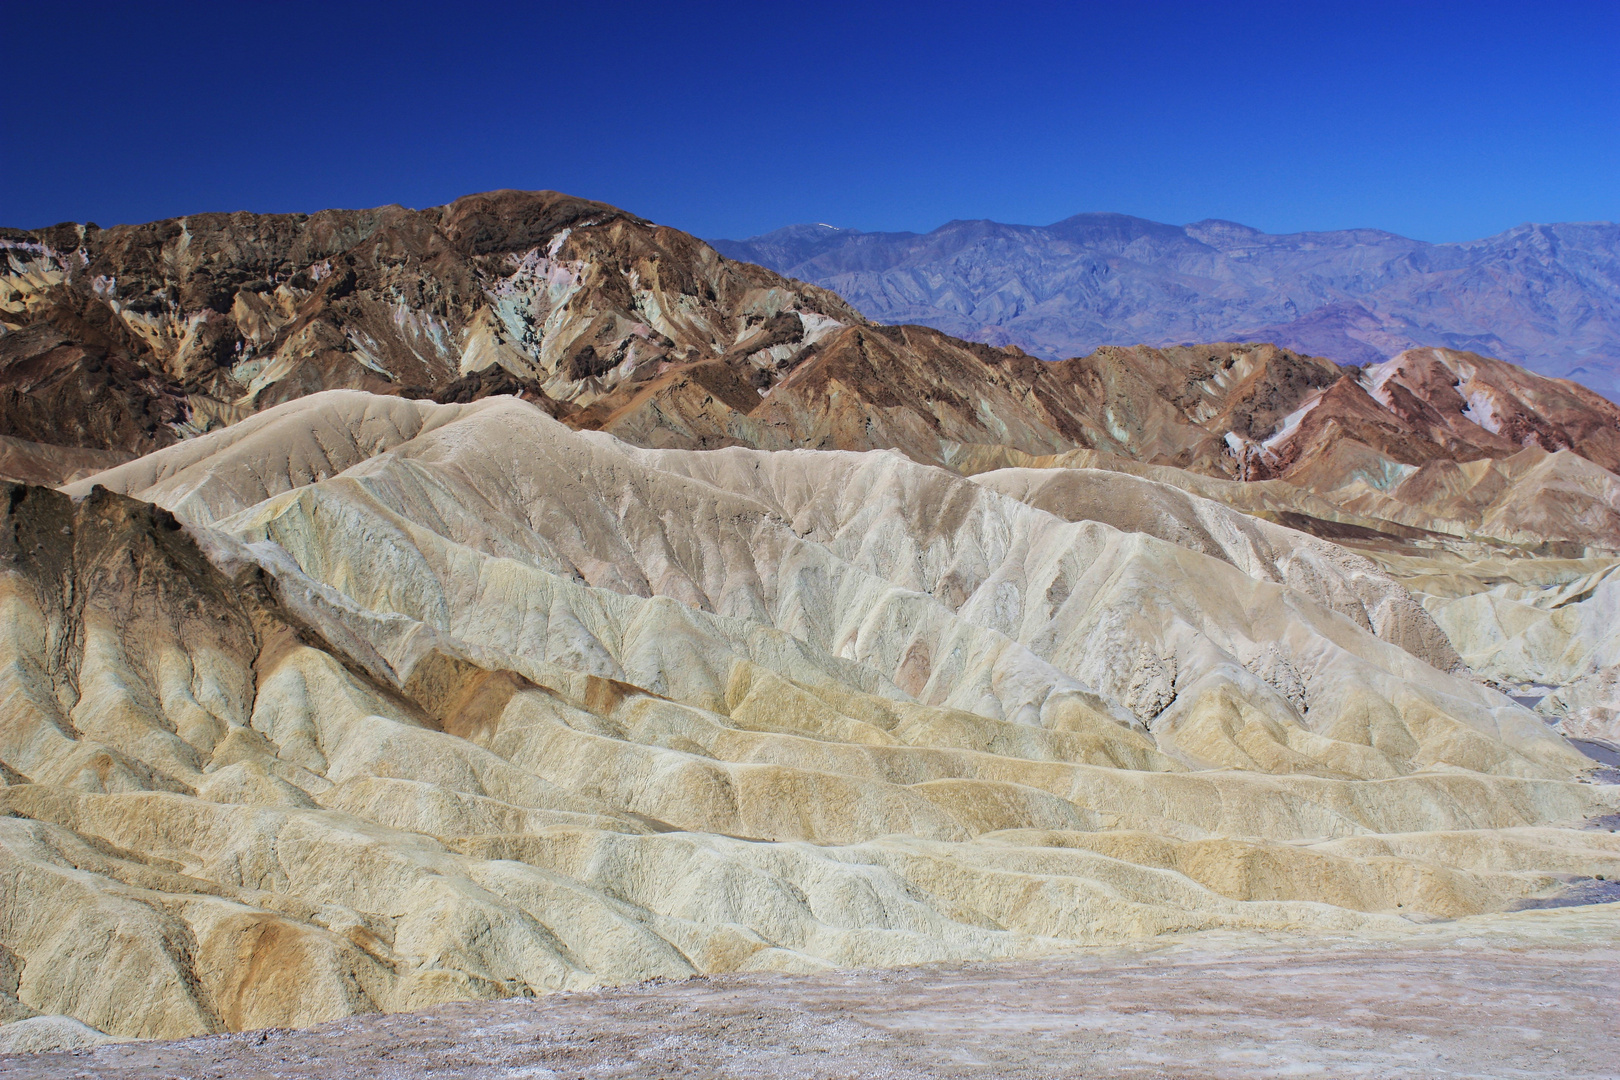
(1550, 632)
(132, 337)
(1249, 412)
(414, 702)
(1545, 296)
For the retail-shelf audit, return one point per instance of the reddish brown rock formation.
(130, 338)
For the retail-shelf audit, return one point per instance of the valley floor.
(1529, 994)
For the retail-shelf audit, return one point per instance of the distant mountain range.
(117, 342)
(1544, 296)
(414, 606)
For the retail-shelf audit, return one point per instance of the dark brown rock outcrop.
(129, 338)
(132, 337)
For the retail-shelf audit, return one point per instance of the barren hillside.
(517, 597)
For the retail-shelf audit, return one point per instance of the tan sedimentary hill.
(1549, 629)
(1513, 557)
(516, 595)
(135, 337)
(1331, 575)
(1531, 499)
(412, 702)
(1530, 504)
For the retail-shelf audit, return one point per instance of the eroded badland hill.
(411, 607)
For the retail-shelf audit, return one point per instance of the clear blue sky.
(1442, 121)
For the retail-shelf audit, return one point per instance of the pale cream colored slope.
(874, 558)
(1557, 640)
(501, 708)
(1486, 508)
(1531, 498)
(1332, 576)
(274, 451)
(874, 543)
(1537, 623)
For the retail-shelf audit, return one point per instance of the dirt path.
(1455, 1006)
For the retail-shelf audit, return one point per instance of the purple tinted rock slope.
(1545, 296)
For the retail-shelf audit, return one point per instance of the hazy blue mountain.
(1545, 296)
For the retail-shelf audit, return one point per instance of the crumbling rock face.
(480, 619)
(83, 391)
(139, 335)
(149, 333)
(401, 702)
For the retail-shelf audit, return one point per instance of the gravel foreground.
(1535, 994)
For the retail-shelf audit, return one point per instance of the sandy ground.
(1533, 994)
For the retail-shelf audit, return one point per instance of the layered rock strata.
(516, 595)
(131, 338)
(368, 703)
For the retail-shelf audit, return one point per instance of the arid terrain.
(515, 599)
(1474, 999)
(1543, 295)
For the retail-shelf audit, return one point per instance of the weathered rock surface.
(517, 596)
(1538, 995)
(412, 702)
(1553, 636)
(1532, 504)
(1257, 412)
(132, 337)
(1328, 573)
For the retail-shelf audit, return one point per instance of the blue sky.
(1436, 120)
